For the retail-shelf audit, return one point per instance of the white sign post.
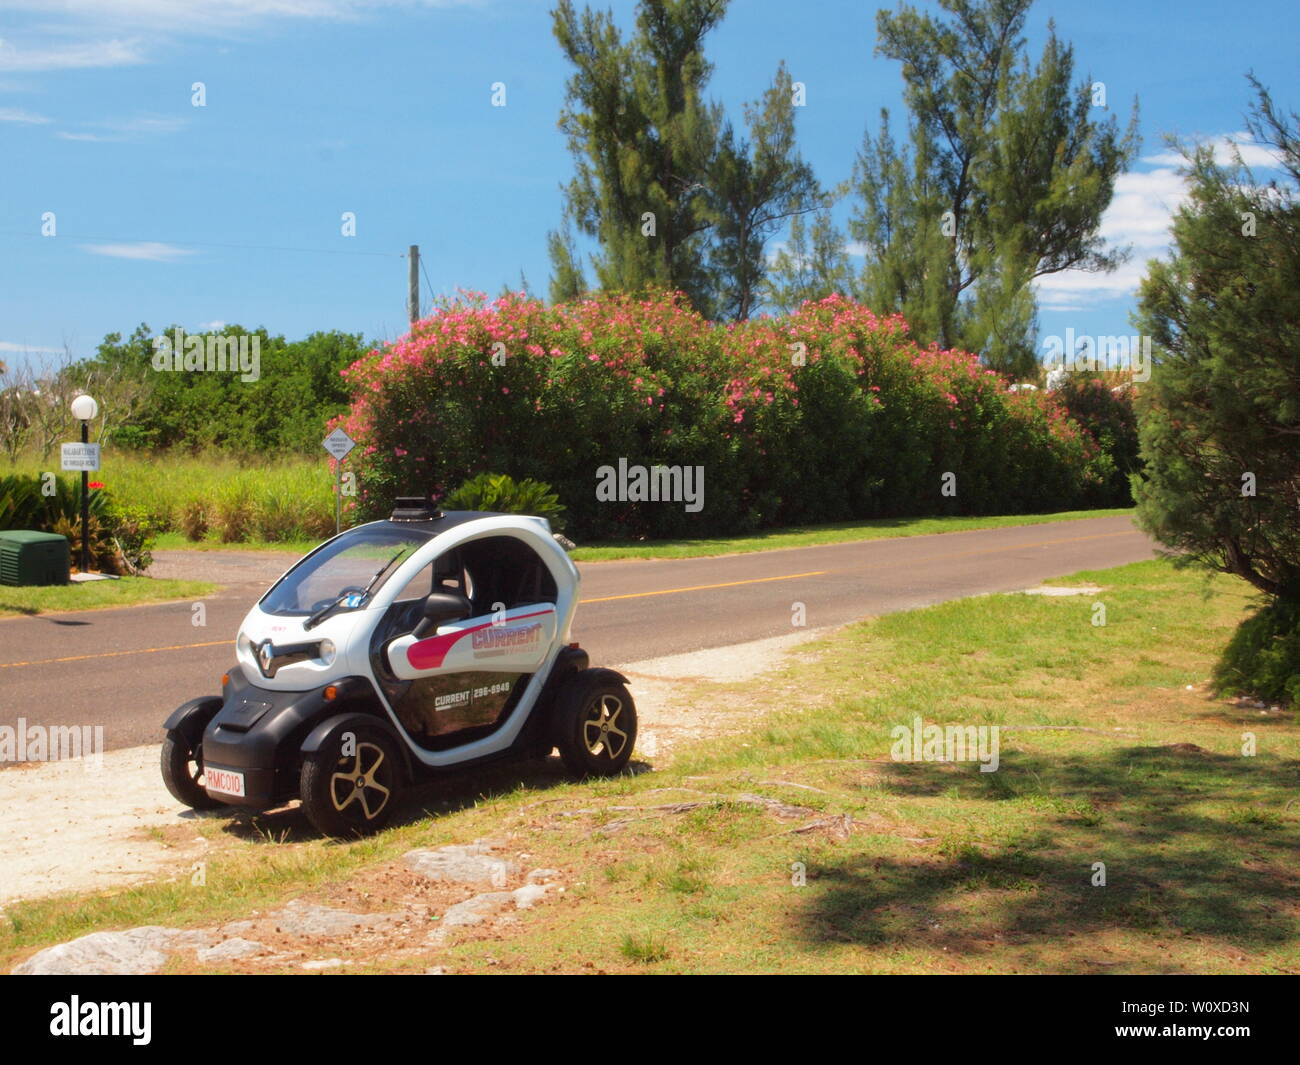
(338, 444)
(80, 456)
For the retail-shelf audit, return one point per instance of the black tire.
(595, 725)
(182, 772)
(331, 798)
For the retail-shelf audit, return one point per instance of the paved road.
(127, 668)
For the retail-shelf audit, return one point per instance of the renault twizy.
(427, 642)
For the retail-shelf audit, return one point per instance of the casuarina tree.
(1220, 418)
(1003, 179)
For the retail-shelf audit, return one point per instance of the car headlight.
(243, 644)
(327, 652)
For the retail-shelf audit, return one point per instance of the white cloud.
(1138, 217)
(146, 124)
(78, 34)
(213, 15)
(26, 118)
(129, 129)
(1253, 154)
(152, 250)
(28, 349)
(213, 325)
(70, 56)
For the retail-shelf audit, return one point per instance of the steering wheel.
(320, 604)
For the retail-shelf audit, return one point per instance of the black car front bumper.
(258, 733)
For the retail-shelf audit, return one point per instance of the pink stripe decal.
(430, 653)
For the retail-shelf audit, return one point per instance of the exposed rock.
(193, 938)
(325, 963)
(131, 952)
(231, 949)
(300, 918)
(542, 874)
(471, 863)
(529, 895)
(477, 909)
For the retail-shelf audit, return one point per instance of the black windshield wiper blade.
(326, 611)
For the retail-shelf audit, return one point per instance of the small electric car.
(428, 642)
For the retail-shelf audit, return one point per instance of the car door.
(464, 679)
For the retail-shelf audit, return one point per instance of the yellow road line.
(1021, 547)
(704, 587)
(114, 654)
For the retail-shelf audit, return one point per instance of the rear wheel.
(350, 786)
(595, 725)
(182, 771)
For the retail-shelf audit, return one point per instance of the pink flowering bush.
(827, 414)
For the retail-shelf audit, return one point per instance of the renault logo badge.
(265, 656)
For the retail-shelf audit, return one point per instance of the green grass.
(258, 499)
(287, 504)
(175, 541)
(93, 595)
(1106, 757)
(885, 528)
(842, 532)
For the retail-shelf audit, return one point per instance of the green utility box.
(28, 557)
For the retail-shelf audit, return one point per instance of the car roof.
(447, 519)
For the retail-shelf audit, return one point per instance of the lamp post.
(84, 408)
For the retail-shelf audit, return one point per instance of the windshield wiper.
(326, 611)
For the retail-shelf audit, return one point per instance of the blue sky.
(231, 212)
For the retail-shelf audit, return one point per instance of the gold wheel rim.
(602, 732)
(358, 790)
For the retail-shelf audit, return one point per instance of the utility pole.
(413, 282)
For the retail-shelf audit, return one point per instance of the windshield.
(342, 571)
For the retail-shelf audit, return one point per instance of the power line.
(427, 281)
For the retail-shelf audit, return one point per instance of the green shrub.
(133, 530)
(120, 534)
(1109, 417)
(235, 512)
(1263, 657)
(502, 494)
(194, 520)
(276, 516)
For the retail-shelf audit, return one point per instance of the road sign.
(80, 456)
(338, 444)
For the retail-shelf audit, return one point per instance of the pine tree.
(672, 194)
(1005, 179)
(1220, 417)
(642, 136)
(813, 264)
(753, 187)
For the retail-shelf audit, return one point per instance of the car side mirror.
(441, 607)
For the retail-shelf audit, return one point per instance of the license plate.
(226, 781)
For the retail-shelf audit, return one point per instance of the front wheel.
(595, 725)
(350, 786)
(182, 772)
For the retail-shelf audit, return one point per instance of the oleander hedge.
(830, 413)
